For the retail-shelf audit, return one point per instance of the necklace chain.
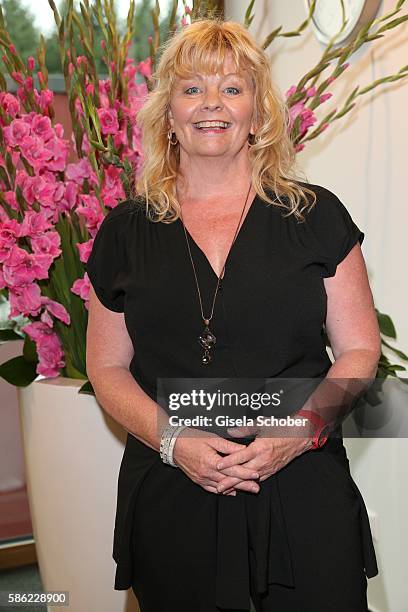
(207, 338)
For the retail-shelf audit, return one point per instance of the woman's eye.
(194, 87)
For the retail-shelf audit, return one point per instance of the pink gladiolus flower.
(69, 198)
(59, 130)
(90, 89)
(81, 287)
(58, 150)
(22, 94)
(56, 309)
(25, 300)
(11, 199)
(48, 345)
(109, 120)
(145, 68)
(9, 233)
(120, 138)
(103, 44)
(112, 189)
(184, 21)
(48, 243)
(105, 86)
(41, 127)
(299, 147)
(91, 211)
(290, 91)
(85, 147)
(18, 77)
(30, 63)
(15, 133)
(34, 224)
(29, 83)
(81, 59)
(71, 68)
(80, 171)
(32, 148)
(10, 104)
(22, 268)
(308, 117)
(44, 99)
(85, 249)
(325, 97)
(78, 107)
(311, 92)
(12, 49)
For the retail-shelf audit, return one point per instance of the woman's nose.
(212, 100)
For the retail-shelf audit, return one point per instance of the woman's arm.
(109, 351)
(353, 331)
(351, 321)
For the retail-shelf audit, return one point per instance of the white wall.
(362, 158)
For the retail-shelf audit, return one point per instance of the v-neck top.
(268, 321)
(271, 306)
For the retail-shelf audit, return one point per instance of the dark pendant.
(207, 341)
(206, 359)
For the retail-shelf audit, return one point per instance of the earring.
(253, 140)
(170, 137)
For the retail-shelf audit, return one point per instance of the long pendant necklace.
(207, 338)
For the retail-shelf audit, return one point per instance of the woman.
(205, 521)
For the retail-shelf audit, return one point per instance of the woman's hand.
(266, 454)
(197, 454)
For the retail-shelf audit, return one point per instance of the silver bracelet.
(167, 442)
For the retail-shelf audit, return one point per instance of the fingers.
(243, 432)
(240, 456)
(237, 471)
(214, 490)
(224, 446)
(244, 485)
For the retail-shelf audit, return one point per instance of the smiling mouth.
(212, 128)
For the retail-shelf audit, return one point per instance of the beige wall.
(362, 157)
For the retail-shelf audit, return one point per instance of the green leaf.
(87, 388)
(248, 11)
(396, 351)
(9, 334)
(386, 325)
(18, 371)
(30, 351)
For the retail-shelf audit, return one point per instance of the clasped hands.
(263, 457)
(241, 467)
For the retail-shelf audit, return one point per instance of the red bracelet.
(322, 430)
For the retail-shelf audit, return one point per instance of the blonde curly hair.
(201, 47)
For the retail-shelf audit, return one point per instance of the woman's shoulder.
(323, 194)
(124, 208)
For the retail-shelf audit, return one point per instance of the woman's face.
(227, 97)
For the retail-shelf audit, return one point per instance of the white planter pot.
(73, 451)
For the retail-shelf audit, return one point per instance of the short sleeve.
(106, 265)
(331, 231)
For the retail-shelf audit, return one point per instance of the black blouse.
(270, 310)
(268, 319)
